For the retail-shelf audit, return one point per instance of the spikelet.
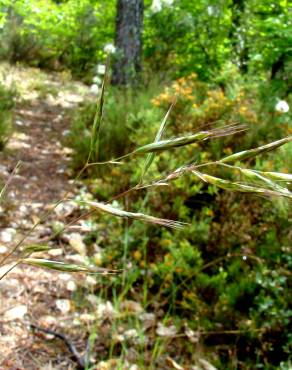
(135, 216)
(176, 142)
(61, 266)
(246, 154)
(277, 176)
(238, 187)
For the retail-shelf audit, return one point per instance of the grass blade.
(94, 144)
(36, 248)
(10, 178)
(151, 156)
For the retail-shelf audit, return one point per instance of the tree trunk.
(128, 42)
(237, 34)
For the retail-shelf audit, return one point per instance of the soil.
(30, 295)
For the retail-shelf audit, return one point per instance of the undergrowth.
(216, 281)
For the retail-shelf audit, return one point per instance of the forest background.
(220, 287)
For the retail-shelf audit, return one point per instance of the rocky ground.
(29, 295)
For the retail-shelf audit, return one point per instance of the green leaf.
(151, 156)
(36, 248)
(94, 145)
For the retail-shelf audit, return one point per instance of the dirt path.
(30, 295)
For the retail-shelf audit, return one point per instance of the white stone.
(7, 235)
(71, 286)
(64, 305)
(15, 313)
(3, 249)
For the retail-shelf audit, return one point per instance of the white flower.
(96, 80)
(156, 6)
(100, 69)
(131, 333)
(210, 10)
(109, 49)
(282, 106)
(105, 311)
(94, 89)
(166, 331)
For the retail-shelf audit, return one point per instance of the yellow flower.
(155, 102)
(164, 96)
(165, 242)
(97, 259)
(137, 255)
(209, 212)
(115, 172)
(228, 151)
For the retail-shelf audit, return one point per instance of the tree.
(128, 41)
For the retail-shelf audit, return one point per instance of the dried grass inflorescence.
(135, 216)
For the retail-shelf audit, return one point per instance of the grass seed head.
(135, 216)
(238, 187)
(159, 146)
(246, 154)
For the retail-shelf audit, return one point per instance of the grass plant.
(228, 173)
(157, 146)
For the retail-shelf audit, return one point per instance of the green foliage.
(47, 34)
(123, 115)
(196, 36)
(6, 110)
(228, 270)
(201, 36)
(226, 276)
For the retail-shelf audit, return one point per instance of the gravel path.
(30, 295)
